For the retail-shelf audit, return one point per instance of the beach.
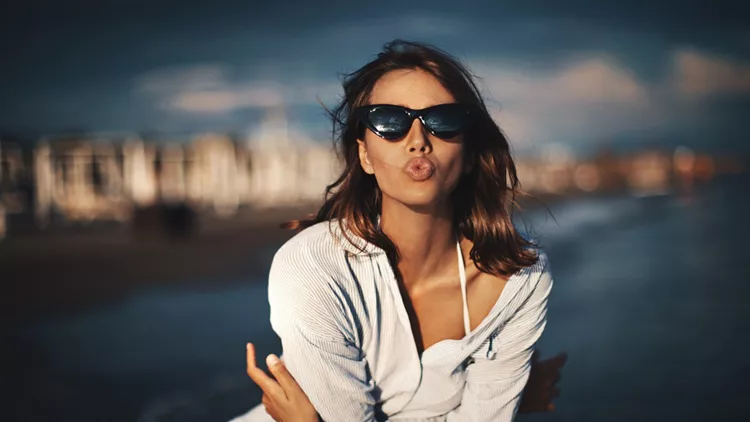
(649, 303)
(46, 273)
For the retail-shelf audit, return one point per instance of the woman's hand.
(541, 388)
(283, 398)
(285, 401)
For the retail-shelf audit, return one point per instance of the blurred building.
(649, 173)
(288, 167)
(117, 177)
(108, 177)
(3, 226)
(611, 169)
(80, 180)
(14, 183)
(551, 173)
(587, 177)
(2, 181)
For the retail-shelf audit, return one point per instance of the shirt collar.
(351, 242)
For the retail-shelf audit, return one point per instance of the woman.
(410, 295)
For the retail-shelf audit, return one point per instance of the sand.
(68, 270)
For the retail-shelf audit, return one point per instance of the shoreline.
(63, 271)
(71, 270)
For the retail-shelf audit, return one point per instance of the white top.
(437, 393)
(347, 338)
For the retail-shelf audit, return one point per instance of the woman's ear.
(364, 158)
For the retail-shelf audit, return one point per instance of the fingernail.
(247, 346)
(272, 360)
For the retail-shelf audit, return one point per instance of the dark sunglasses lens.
(390, 122)
(447, 121)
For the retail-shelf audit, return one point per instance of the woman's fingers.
(557, 362)
(535, 356)
(282, 375)
(270, 408)
(551, 369)
(541, 387)
(266, 383)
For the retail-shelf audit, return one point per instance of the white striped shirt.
(347, 338)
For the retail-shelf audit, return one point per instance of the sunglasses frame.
(363, 116)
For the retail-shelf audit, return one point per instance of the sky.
(577, 73)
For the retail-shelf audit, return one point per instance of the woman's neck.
(425, 240)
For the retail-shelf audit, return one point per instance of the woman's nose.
(417, 140)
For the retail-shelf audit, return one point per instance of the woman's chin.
(422, 201)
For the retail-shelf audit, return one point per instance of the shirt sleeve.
(494, 386)
(316, 337)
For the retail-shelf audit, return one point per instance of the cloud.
(221, 101)
(182, 78)
(591, 81)
(697, 75)
(209, 89)
(590, 97)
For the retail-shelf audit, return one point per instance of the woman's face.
(420, 169)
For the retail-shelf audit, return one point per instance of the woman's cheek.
(386, 176)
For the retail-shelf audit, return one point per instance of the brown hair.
(483, 199)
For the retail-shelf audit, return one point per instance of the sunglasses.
(393, 122)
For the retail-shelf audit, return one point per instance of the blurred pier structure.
(646, 172)
(122, 178)
(89, 178)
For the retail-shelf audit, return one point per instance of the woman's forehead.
(412, 88)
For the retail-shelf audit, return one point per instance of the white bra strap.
(462, 276)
